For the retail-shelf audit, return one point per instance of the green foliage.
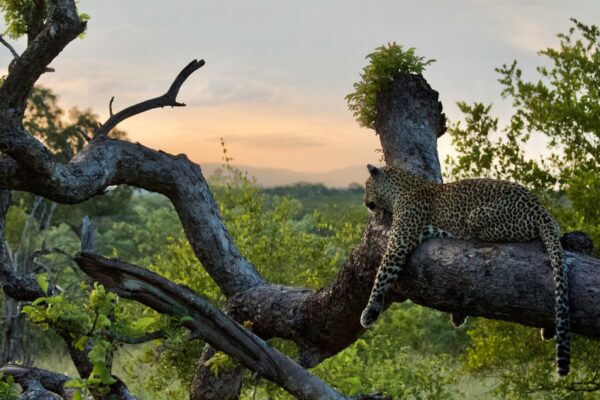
(524, 364)
(219, 362)
(19, 15)
(8, 388)
(385, 64)
(561, 109)
(24, 17)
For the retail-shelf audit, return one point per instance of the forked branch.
(167, 99)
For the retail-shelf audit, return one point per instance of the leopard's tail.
(550, 235)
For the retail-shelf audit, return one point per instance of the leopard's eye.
(371, 205)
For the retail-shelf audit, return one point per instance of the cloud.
(219, 91)
(525, 25)
(278, 140)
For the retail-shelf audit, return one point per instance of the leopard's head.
(376, 193)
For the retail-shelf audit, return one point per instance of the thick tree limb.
(409, 121)
(510, 282)
(36, 382)
(105, 162)
(206, 322)
(62, 26)
(225, 385)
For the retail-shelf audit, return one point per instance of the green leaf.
(39, 300)
(103, 322)
(143, 323)
(80, 343)
(74, 383)
(42, 280)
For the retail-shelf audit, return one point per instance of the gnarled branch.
(206, 322)
(167, 99)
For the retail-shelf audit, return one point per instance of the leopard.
(472, 209)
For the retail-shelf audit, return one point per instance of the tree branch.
(205, 321)
(18, 287)
(62, 26)
(9, 47)
(37, 381)
(167, 99)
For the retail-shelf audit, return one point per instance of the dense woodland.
(298, 236)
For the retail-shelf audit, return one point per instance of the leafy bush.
(385, 63)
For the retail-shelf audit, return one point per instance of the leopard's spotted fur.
(485, 209)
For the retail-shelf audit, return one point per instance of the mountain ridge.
(269, 177)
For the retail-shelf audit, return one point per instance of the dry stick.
(15, 54)
(12, 50)
(167, 99)
(110, 103)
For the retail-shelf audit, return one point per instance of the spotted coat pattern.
(485, 209)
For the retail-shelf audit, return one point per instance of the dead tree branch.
(206, 322)
(167, 99)
(38, 383)
(9, 47)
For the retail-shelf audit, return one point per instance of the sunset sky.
(277, 71)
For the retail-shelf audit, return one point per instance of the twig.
(16, 55)
(12, 50)
(110, 103)
(83, 134)
(167, 99)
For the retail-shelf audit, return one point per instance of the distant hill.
(269, 177)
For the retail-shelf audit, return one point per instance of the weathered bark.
(206, 322)
(225, 385)
(38, 383)
(409, 121)
(510, 282)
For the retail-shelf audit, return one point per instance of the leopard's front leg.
(404, 235)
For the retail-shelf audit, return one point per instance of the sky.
(277, 71)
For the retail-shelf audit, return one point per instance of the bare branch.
(110, 103)
(83, 134)
(167, 99)
(7, 45)
(206, 321)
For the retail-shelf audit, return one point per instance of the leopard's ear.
(373, 170)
